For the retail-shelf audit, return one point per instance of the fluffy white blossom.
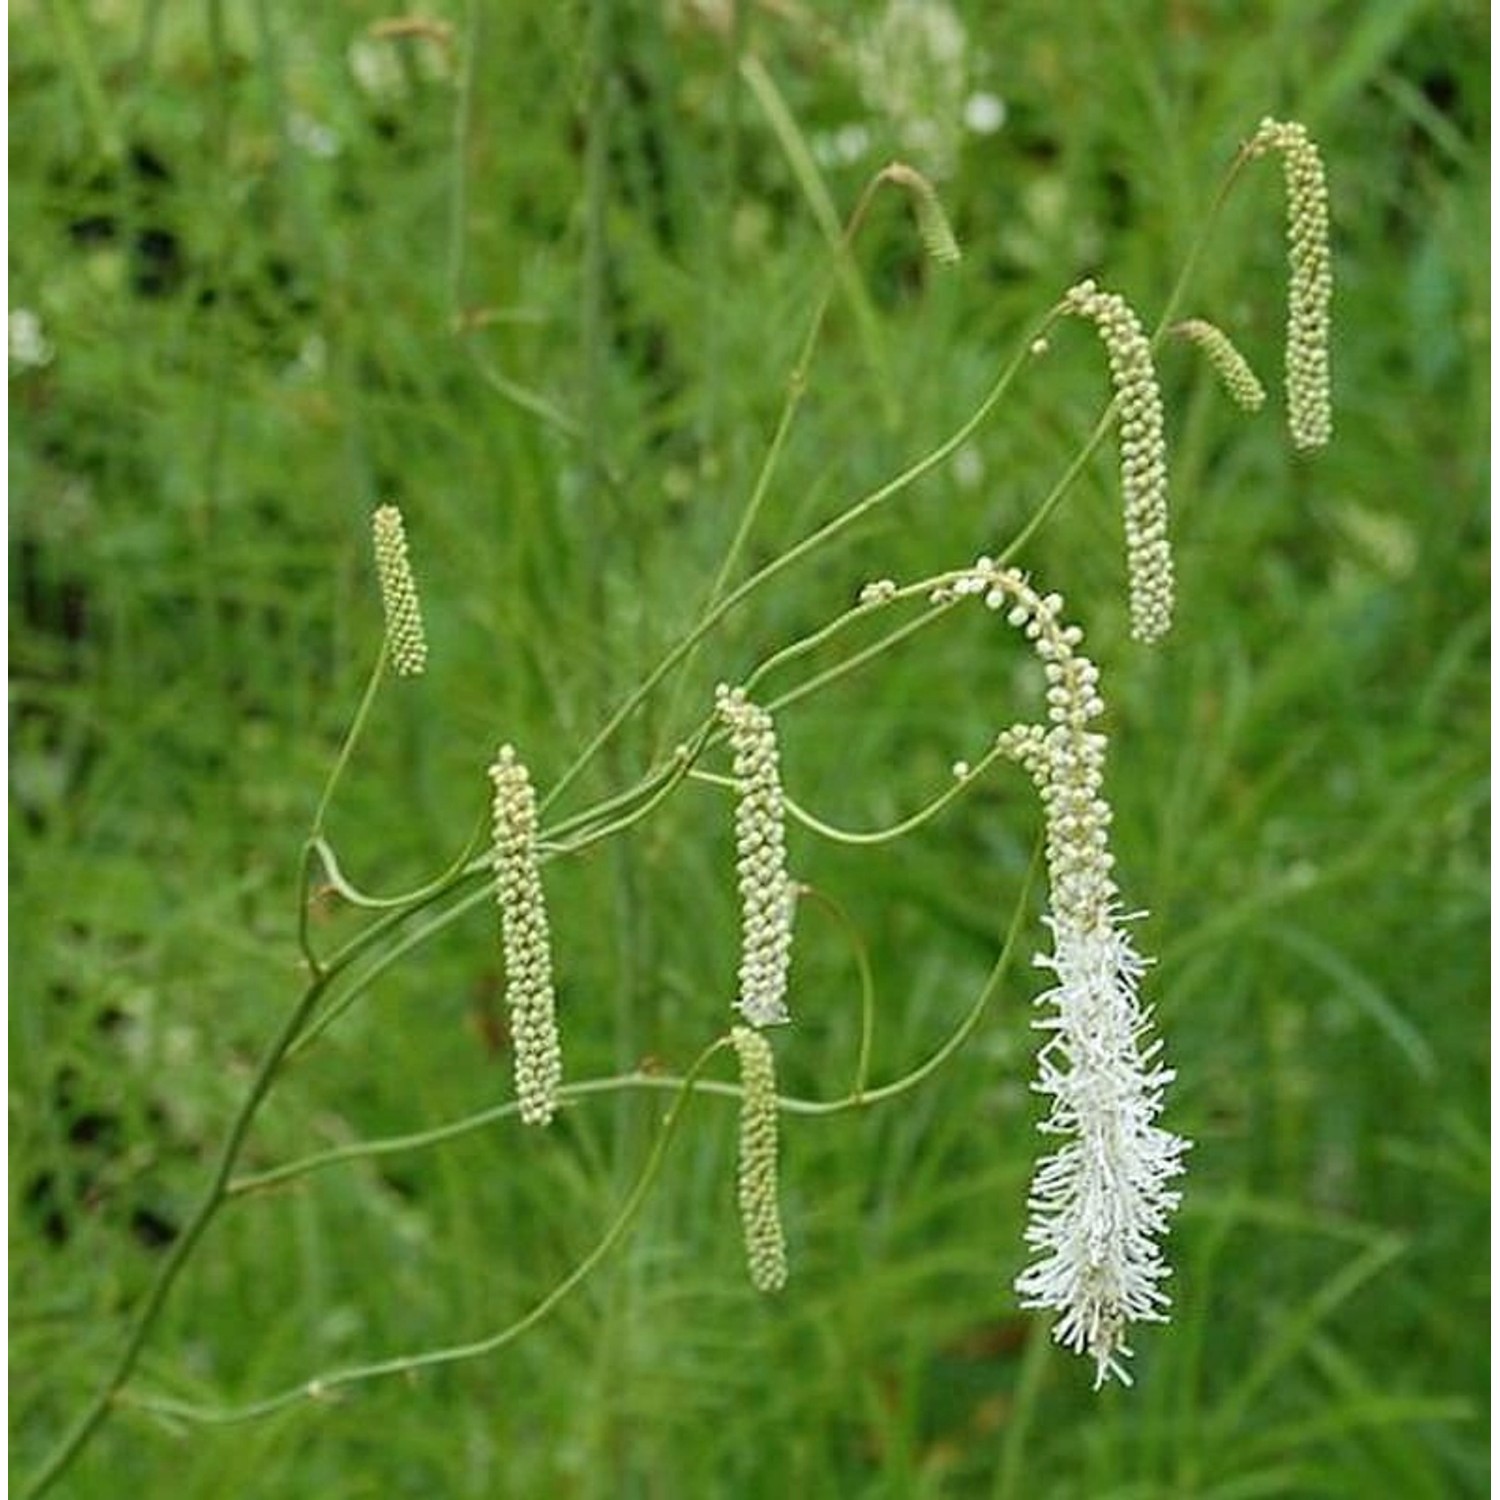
(1100, 1203)
(912, 66)
(30, 348)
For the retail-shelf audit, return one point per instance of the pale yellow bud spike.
(760, 1213)
(932, 221)
(767, 893)
(1309, 399)
(527, 940)
(1143, 455)
(1232, 368)
(406, 640)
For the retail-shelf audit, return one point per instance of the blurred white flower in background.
(984, 113)
(912, 67)
(312, 136)
(842, 147)
(30, 347)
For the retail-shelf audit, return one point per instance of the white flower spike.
(1100, 1203)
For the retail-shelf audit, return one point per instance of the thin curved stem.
(866, 982)
(72, 1441)
(351, 893)
(589, 1087)
(356, 726)
(322, 1386)
(925, 814)
(383, 961)
(795, 554)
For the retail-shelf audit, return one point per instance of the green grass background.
(247, 230)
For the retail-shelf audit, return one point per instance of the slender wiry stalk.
(795, 554)
(214, 1195)
(322, 1386)
(568, 1093)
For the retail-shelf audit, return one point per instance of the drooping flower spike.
(933, 224)
(1143, 455)
(1309, 399)
(760, 1213)
(526, 935)
(1232, 368)
(1100, 1203)
(767, 893)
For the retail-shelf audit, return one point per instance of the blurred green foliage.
(539, 274)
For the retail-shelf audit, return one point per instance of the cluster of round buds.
(1100, 1203)
(1232, 368)
(1143, 455)
(527, 941)
(767, 893)
(760, 1215)
(1066, 759)
(1308, 384)
(406, 641)
(878, 591)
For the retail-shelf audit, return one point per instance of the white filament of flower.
(1100, 1203)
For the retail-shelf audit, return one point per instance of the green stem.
(80, 65)
(322, 1386)
(72, 1442)
(778, 565)
(907, 825)
(853, 663)
(589, 1087)
(796, 390)
(463, 117)
(351, 893)
(866, 982)
(347, 748)
(810, 180)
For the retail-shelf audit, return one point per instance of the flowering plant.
(1101, 1201)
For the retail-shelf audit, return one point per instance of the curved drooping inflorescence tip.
(1232, 368)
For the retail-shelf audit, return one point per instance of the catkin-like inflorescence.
(1143, 456)
(760, 1215)
(406, 641)
(1309, 399)
(1100, 1203)
(938, 238)
(767, 894)
(527, 940)
(1232, 368)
